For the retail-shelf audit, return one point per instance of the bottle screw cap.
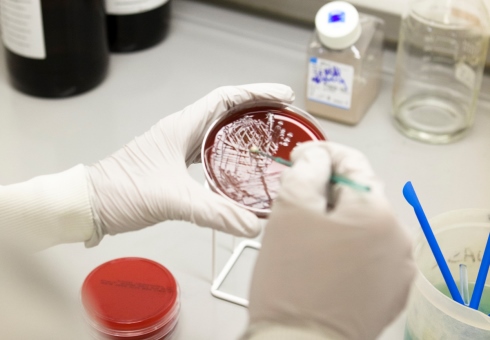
(338, 25)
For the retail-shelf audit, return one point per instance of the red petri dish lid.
(130, 294)
(250, 180)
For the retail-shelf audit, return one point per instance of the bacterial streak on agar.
(247, 178)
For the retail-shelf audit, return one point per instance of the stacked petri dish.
(132, 299)
(250, 179)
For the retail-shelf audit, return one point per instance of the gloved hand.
(343, 273)
(147, 182)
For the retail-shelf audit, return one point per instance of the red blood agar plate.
(250, 180)
(131, 298)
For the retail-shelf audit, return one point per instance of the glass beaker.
(431, 312)
(440, 59)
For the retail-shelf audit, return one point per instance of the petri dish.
(131, 298)
(250, 180)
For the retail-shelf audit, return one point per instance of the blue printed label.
(330, 82)
(336, 16)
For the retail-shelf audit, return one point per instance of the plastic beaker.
(432, 314)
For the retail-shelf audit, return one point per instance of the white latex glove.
(147, 181)
(344, 273)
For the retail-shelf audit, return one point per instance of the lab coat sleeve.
(49, 210)
(282, 332)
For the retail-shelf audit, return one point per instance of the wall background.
(303, 11)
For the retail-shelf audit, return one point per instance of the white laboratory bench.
(209, 47)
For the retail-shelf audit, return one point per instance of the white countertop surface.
(209, 47)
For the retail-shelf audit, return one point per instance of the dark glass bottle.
(129, 32)
(72, 54)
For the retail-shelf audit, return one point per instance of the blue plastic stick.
(412, 199)
(482, 277)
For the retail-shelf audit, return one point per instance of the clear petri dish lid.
(250, 180)
(131, 298)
